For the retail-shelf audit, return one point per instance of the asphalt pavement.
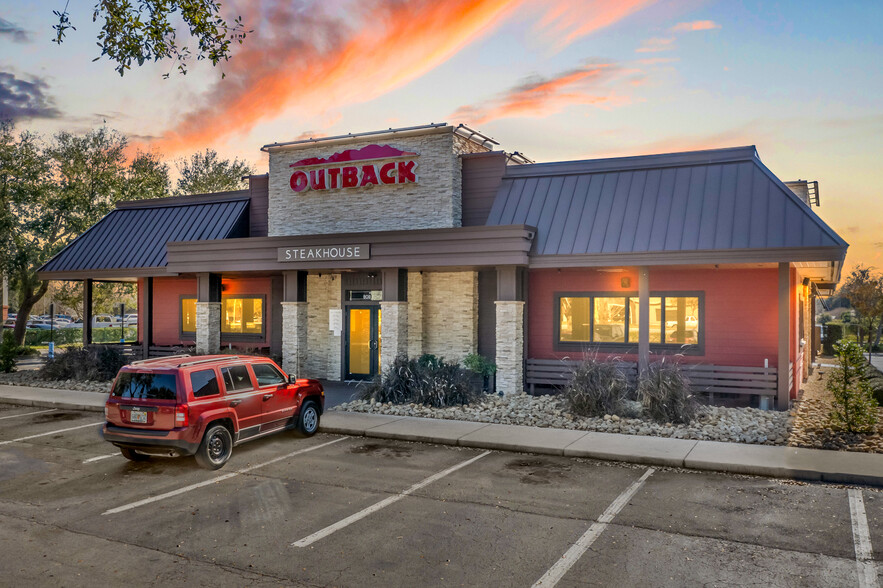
(336, 510)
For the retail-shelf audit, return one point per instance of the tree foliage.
(52, 192)
(864, 290)
(204, 172)
(145, 30)
(854, 407)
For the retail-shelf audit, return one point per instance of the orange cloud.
(539, 97)
(696, 25)
(656, 44)
(301, 58)
(567, 20)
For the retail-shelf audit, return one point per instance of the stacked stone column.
(294, 337)
(510, 346)
(208, 327)
(393, 331)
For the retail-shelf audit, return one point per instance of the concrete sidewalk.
(737, 458)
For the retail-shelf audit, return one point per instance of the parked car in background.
(100, 321)
(9, 323)
(204, 406)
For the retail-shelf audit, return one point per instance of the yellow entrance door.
(359, 341)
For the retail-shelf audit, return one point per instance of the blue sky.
(564, 79)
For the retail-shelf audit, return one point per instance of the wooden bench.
(704, 378)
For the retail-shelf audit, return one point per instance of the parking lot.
(349, 511)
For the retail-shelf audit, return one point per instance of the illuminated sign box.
(355, 168)
(324, 252)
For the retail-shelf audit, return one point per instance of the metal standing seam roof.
(721, 199)
(134, 237)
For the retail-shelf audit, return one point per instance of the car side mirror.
(292, 379)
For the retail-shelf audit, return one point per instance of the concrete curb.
(840, 467)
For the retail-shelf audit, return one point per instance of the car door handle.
(235, 402)
(268, 396)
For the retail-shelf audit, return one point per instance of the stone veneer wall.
(208, 327)
(323, 347)
(510, 346)
(415, 314)
(433, 202)
(450, 314)
(294, 337)
(394, 332)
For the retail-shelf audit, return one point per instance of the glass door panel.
(359, 341)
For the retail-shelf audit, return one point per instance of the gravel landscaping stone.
(32, 378)
(740, 425)
(812, 421)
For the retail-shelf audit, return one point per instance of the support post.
(294, 322)
(509, 332)
(643, 320)
(208, 313)
(783, 391)
(394, 311)
(87, 311)
(5, 300)
(147, 317)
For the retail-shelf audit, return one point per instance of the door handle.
(235, 402)
(268, 396)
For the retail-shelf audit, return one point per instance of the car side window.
(267, 375)
(236, 378)
(204, 383)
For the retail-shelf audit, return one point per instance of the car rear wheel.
(216, 448)
(133, 455)
(308, 420)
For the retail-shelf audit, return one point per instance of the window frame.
(697, 348)
(272, 367)
(228, 337)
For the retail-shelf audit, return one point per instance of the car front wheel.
(216, 448)
(308, 420)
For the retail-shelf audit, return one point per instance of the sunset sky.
(557, 80)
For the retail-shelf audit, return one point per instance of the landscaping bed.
(740, 425)
(812, 421)
(33, 378)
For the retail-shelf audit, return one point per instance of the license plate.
(138, 416)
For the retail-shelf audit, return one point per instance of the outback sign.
(355, 168)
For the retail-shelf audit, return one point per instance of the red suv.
(204, 406)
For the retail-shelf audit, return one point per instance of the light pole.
(51, 330)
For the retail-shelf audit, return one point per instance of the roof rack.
(142, 361)
(209, 360)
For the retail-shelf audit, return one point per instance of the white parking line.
(861, 536)
(159, 497)
(100, 457)
(576, 551)
(12, 416)
(382, 504)
(50, 433)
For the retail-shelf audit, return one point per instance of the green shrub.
(480, 365)
(95, 362)
(597, 388)
(664, 392)
(427, 380)
(75, 336)
(875, 381)
(854, 407)
(9, 351)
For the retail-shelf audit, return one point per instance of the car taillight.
(181, 416)
(106, 413)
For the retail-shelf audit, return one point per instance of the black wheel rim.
(218, 448)
(311, 419)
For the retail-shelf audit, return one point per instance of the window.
(236, 378)
(204, 383)
(609, 319)
(188, 315)
(243, 316)
(146, 386)
(267, 375)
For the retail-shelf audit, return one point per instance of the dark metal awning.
(131, 241)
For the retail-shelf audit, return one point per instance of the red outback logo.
(319, 174)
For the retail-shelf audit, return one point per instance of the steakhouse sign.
(370, 166)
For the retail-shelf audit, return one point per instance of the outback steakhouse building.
(357, 248)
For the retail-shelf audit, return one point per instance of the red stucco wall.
(741, 310)
(167, 294)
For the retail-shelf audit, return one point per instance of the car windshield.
(146, 386)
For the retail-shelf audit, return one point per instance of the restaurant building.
(354, 249)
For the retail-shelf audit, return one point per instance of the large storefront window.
(241, 317)
(604, 319)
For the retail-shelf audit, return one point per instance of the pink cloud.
(656, 44)
(696, 25)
